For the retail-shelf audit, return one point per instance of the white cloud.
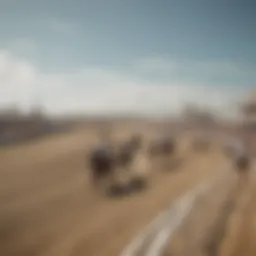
(194, 71)
(17, 79)
(93, 90)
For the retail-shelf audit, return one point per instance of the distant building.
(17, 127)
(11, 112)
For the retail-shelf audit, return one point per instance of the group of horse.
(108, 159)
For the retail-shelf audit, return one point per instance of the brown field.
(48, 207)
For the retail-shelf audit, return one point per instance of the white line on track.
(167, 222)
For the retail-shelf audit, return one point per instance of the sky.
(120, 56)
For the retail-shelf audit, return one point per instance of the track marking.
(168, 221)
(180, 211)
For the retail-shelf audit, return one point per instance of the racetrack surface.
(48, 207)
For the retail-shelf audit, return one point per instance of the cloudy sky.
(126, 56)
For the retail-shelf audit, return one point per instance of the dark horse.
(241, 158)
(102, 162)
(238, 153)
(105, 158)
(242, 162)
(162, 147)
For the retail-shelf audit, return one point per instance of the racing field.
(49, 208)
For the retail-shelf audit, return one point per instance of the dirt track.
(49, 209)
(222, 224)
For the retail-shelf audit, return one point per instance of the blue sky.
(131, 56)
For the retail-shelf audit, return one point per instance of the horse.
(102, 162)
(164, 146)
